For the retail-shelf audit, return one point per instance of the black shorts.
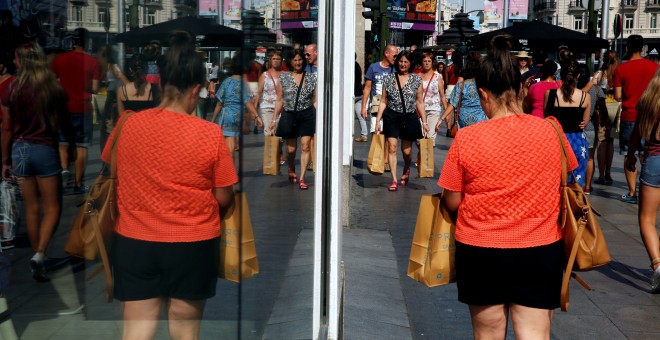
(306, 122)
(399, 125)
(144, 270)
(530, 277)
(82, 127)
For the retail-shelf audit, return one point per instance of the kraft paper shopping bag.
(426, 157)
(272, 155)
(238, 253)
(433, 248)
(376, 160)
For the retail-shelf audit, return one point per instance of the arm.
(545, 100)
(586, 116)
(453, 199)
(366, 91)
(7, 134)
(421, 109)
(279, 104)
(260, 89)
(120, 100)
(381, 109)
(95, 85)
(225, 198)
(216, 111)
(117, 71)
(618, 94)
(441, 89)
(446, 116)
(527, 103)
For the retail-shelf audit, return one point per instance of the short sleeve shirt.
(376, 73)
(509, 170)
(431, 88)
(76, 71)
(633, 77)
(290, 90)
(168, 164)
(409, 91)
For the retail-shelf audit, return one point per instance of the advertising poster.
(518, 9)
(412, 10)
(493, 12)
(232, 10)
(208, 7)
(299, 10)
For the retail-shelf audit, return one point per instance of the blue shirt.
(376, 74)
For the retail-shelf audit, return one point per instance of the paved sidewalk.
(619, 307)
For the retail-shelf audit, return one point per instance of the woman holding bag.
(402, 95)
(503, 229)
(296, 105)
(433, 86)
(165, 251)
(464, 97)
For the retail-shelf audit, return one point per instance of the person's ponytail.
(569, 74)
(499, 73)
(183, 67)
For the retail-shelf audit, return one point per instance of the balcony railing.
(653, 5)
(629, 5)
(575, 4)
(186, 3)
(545, 6)
(153, 3)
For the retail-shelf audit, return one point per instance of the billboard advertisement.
(518, 9)
(493, 11)
(412, 10)
(299, 13)
(208, 8)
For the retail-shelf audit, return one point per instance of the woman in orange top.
(508, 207)
(166, 247)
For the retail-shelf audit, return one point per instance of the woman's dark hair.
(237, 67)
(569, 75)
(548, 69)
(294, 53)
(471, 66)
(184, 68)
(583, 73)
(402, 54)
(136, 71)
(498, 73)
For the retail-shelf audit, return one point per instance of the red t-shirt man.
(77, 71)
(633, 77)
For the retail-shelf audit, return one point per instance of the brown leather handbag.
(92, 229)
(584, 242)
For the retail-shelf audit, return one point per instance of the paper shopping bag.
(433, 248)
(426, 157)
(376, 160)
(238, 254)
(272, 155)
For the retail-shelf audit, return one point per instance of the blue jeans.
(625, 131)
(358, 113)
(651, 172)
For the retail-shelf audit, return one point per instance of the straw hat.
(522, 54)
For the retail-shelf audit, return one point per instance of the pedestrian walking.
(605, 151)
(402, 95)
(34, 110)
(176, 176)
(138, 94)
(296, 98)
(267, 90)
(571, 107)
(647, 127)
(533, 102)
(80, 74)
(487, 165)
(433, 86)
(234, 96)
(357, 95)
(629, 81)
(114, 79)
(465, 95)
(588, 85)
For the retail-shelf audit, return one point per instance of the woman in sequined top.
(296, 98)
(402, 95)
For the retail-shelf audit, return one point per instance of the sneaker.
(588, 191)
(38, 271)
(655, 281)
(629, 199)
(66, 178)
(608, 179)
(80, 190)
(361, 139)
(6, 245)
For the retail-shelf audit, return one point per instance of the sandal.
(393, 187)
(303, 185)
(406, 177)
(292, 176)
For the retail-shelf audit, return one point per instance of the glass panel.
(277, 303)
(155, 191)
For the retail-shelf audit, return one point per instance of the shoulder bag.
(286, 126)
(584, 243)
(451, 132)
(92, 229)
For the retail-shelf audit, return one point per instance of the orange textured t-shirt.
(509, 170)
(167, 166)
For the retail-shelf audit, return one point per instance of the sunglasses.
(307, 54)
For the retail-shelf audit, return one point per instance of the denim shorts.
(32, 159)
(625, 131)
(82, 127)
(651, 172)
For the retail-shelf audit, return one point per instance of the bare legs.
(489, 322)
(305, 155)
(590, 170)
(79, 164)
(605, 156)
(141, 318)
(41, 194)
(649, 201)
(406, 150)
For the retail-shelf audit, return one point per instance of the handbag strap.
(398, 83)
(295, 103)
(460, 102)
(429, 85)
(113, 158)
(564, 171)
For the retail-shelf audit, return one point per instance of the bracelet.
(426, 123)
(654, 262)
